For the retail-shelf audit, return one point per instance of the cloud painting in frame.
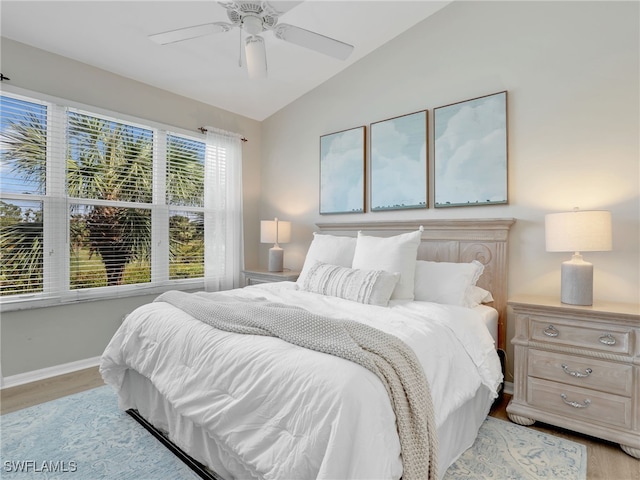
(470, 160)
(399, 162)
(342, 165)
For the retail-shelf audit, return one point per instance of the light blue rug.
(504, 450)
(83, 437)
(86, 437)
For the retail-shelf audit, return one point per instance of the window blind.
(109, 169)
(185, 188)
(22, 189)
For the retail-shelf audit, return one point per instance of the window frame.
(56, 287)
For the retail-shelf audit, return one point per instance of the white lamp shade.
(275, 231)
(256, 57)
(578, 231)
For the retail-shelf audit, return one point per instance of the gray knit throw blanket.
(385, 355)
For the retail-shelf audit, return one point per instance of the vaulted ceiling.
(113, 35)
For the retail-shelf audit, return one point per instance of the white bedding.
(489, 316)
(279, 411)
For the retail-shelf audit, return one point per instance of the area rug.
(83, 437)
(504, 450)
(86, 436)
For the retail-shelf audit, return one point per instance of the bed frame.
(457, 240)
(485, 240)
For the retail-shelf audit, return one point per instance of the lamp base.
(276, 256)
(577, 282)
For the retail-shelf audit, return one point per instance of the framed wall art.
(342, 171)
(398, 165)
(470, 155)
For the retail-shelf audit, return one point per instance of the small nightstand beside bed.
(578, 368)
(256, 406)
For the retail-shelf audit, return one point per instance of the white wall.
(571, 70)
(46, 337)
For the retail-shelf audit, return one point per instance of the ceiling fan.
(256, 17)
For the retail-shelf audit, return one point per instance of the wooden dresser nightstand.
(254, 277)
(578, 368)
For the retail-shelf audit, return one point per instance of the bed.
(256, 406)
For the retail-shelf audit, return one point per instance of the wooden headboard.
(457, 240)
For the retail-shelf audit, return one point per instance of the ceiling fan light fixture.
(256, 57)
(252, 24)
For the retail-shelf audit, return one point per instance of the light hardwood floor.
(23, 396)
(605, 461)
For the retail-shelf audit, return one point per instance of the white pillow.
(476, 296)
(392, 254)
(328, 249)
(446, 282)
(372, 287)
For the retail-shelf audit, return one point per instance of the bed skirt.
(455, 435)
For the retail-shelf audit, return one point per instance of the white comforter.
(280, 411)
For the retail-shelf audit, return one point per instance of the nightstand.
(254, 277)
(578, 368)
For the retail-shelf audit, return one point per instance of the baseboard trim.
(45, 373)
(508, 388)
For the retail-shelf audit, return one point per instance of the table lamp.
(276, 232)
(578, 231)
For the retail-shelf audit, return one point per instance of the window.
(22, 190)
(93, 205)
(185, 188)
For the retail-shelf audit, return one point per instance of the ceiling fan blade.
(173, 36)
(283, 6)
(314, 41)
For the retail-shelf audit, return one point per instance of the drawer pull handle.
(585, 404)
(575, 373)
(551, 331)
(608, 339)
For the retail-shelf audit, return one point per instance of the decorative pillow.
(330, 249)
(476, 296)
(372, 287)
(446, 282)
(392, 254)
